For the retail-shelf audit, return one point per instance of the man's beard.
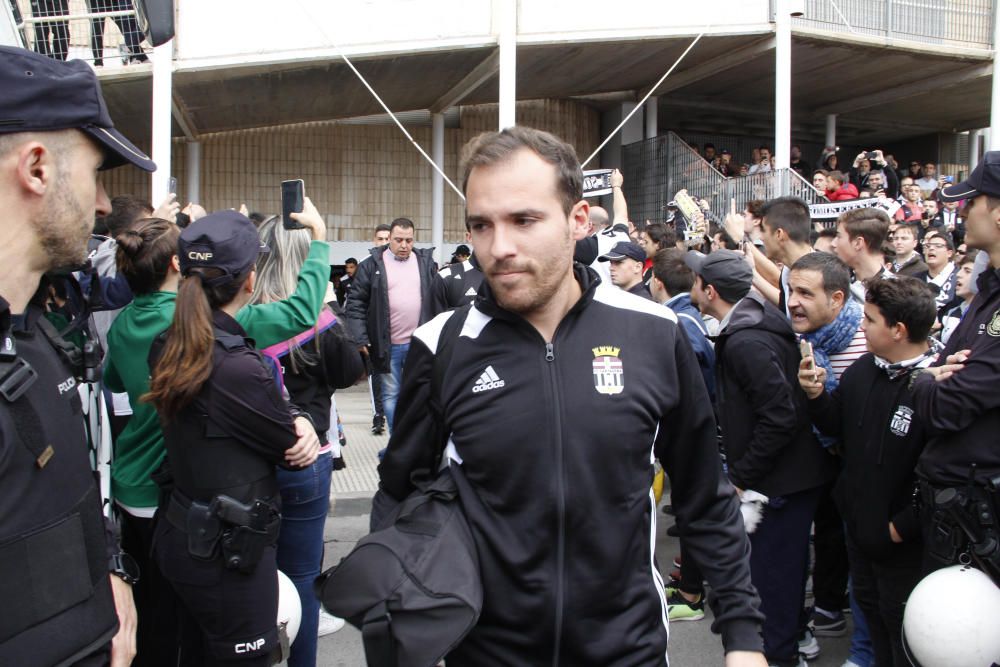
(63, 228)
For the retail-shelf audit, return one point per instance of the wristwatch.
(124, 567)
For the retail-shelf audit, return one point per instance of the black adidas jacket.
(458, 285)
(557, 442)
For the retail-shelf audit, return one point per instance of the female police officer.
(225, 426)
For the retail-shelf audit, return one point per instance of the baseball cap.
(224, 240)
(725, 270)
(463, 250)
(984, 180)
(624, 250)
(41, 94)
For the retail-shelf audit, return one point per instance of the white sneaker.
(328, 623)
(808, 646)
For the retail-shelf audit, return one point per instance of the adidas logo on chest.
(488, 381)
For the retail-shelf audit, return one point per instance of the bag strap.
(442, 359)
(376, 634)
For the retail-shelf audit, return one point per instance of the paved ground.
(691, 643)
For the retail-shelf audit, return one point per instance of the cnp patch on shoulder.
(609, 373)
(993, 328)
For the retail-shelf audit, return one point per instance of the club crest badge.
(900, 424)
(609, 375)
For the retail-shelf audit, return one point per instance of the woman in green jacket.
(147, 257)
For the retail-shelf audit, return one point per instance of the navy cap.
(624, 250)
(726, 270)
(41, 94)
(224, 240)
(984, 180)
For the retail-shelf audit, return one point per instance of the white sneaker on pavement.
(328, 623)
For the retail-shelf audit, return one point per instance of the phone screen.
(806, 350)
(292, 200)
(172, 185)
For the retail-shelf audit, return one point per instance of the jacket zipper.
(550, 358)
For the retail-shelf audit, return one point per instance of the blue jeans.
(862, 651)
(305, 500)
(392, 380)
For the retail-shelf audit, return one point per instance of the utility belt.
(241, 531)
(964, 524)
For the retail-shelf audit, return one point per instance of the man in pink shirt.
(390, 297)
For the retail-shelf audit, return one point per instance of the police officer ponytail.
(186, 361)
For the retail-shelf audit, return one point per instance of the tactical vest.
(57, 603)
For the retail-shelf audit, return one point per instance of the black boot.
(378, 425)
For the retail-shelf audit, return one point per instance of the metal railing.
(964, 23)
(655, 169)
(102, 32)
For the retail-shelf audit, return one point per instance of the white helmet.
(951, 619)
(289, 607)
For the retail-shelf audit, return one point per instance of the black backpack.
(413, 586)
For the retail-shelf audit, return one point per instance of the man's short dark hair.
(756, 208)
(837, 175)
(669, 268)
(350, 260)
(944, 236)
(836, 275)
(404, 223)
(790, 214)
(492, 147)
(382, 227)
(827, 233)
(907, 300)
(870, 224)
(661, 235)
(125, 210)
(911, 228)
(728, 242)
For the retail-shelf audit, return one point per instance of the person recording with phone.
(310, 366)
(225, 427)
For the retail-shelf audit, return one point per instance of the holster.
(964, 520)
(249, 529)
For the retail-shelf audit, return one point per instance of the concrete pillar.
(508, 62)
(782, 84)
(162, 117)
(437, 186)
(193, 172)
(831, 129)
(652, 111)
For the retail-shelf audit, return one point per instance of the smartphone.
(949, 179)
(806, 350)
(293, 194)
(172, 185)
(871, 155)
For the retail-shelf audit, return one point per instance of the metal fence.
(655, 169)
(103, 32)
(965, 23)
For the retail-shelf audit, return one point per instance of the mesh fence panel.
(103, 32)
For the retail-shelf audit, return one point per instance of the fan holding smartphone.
(293, 195)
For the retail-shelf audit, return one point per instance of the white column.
(652, 110)
(193, 172)
(508, 61)
(782, 84)
(437, 186)
(994, 136)
(831, 129)
(162, 115)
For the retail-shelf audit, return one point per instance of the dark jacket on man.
(367, 307)
(458, 284)
(769, 441)
(881, 439)
(555, 441)
(962, 413)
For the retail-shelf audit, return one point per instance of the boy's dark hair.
(125, 210)
(403, 223)
(661, 235)
(790, 214)
(669, 268)
(836, 274)
(907, 300)
(871, 224)
(756, 208)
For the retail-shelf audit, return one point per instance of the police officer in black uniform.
(959, 400)
(59, 604)
(226, 426)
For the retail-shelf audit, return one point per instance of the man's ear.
(900, 332)
(251, 281)
(175, 263)
(35, 168)
(838, 298)
(579, 217)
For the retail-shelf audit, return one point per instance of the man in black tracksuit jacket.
(559, 475)
(367, 308)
